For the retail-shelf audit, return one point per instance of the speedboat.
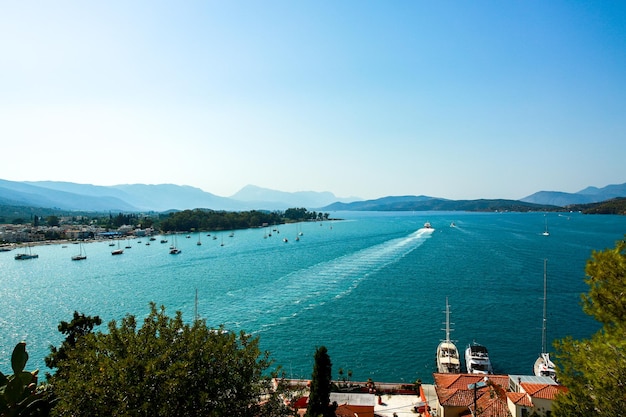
(477, 359)
(448, 361)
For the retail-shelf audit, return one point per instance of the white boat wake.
(253, 310)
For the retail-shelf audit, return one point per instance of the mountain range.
(163, 197)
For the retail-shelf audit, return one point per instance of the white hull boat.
(477, 359)
(448, 361)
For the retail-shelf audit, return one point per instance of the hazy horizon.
(446, 99)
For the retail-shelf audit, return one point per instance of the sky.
(451, 99)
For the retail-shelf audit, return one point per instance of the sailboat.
(26, 255)
(199, 242)
(119, 250)
(448, 361)
(173, 249)
(543, 364)
(81, 254)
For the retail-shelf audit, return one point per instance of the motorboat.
(477, 359)
(448, 361)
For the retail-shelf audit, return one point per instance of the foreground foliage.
(594, 370)
(19, 394)
(164, 368)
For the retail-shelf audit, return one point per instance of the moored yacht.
(448, 361)
(543, 365)
(477, 359)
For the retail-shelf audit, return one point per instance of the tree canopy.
(594, 370)
(164, 368)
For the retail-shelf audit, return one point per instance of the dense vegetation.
(594, 370)
(198, 219)
(186, 220)
(161, 368)
(613, 206)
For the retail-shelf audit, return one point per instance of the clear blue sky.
(453, 99)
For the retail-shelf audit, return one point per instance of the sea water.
(371, 287)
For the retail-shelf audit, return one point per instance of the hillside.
(585, 196)
(613, 206)
(159, 197)
(423, 203)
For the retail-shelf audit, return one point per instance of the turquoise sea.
(370, 287)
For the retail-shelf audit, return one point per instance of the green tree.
(52, 221)
(165, 368)
(319, 397)
(80, 326)
(594, 370)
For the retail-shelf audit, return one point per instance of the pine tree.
(594, 370)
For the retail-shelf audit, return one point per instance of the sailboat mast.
(544, 328)
(447, 321)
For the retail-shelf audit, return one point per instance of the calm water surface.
(371, 287)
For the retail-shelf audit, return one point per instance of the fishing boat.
(477, 359)
(81, 254)
(448, 361)
(543, 365)
(26, 255)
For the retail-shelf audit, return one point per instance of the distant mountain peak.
(309, 199)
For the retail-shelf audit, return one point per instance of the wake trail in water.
(253, 308)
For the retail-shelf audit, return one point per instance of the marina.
(369, 287)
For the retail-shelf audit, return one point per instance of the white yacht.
(543, 365)
(477, 359)
(448, 361)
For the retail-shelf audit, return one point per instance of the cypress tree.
(319, 397)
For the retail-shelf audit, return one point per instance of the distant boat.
(448, 361)
(427, 225)
(173, 249)
(26, 254)
(81, 254)
(477, 359)
(543, 365)
(119, 250)
(285, 240)
(545, 232)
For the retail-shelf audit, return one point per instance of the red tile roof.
(492, 407)
(346, 410)
(519, 398)
(452, 391)
(543, 391)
